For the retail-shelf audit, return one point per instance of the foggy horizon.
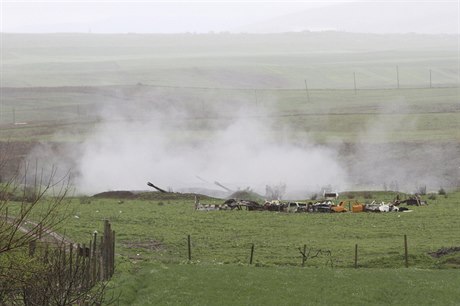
(230, 17)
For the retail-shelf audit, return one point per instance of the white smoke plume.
(182, 143)
(161, 147)
(385, 156)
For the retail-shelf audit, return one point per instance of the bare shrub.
(421, 190)
(33, 205)
(275, 192)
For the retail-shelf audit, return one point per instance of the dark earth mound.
(444, 251)
(121, 194)
(153, 195)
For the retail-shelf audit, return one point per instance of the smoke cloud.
(245, 152)
(179, 143)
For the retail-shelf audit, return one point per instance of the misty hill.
(326, 59)
(405, 17)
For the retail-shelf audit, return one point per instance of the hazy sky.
(234, 16)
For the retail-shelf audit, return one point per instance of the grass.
(326, 60)
(157, 229)
(55, 90)
(429, 115)
(152, 265)
(150, 284)
(59, 82)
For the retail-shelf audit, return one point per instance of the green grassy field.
(152, 265)
(326, 60)
(58, 88)
(330, 116)
(158, 230)
(150, 284)
(62, 82)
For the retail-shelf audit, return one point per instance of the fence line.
(269, 254)
(95, 262)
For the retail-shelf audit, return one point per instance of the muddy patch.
(151, 245)
(444, 251)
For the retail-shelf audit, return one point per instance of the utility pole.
(354, 80)
(308, 94)
(397, 75)
(430, 80)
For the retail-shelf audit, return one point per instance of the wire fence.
(18, 110)
(203, 249)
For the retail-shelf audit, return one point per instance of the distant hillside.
(429, 18)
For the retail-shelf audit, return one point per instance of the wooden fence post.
(406, 253)
(100, 270)
(304, 257)
(94, 259)
(113, 254)
(106, 251)
(252, 254)
(356, 256)
(189, 243)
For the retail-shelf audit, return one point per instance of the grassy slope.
(152, 266)
(326, 60)
(415, 115)
(158, 229)
(102, 70)
(155, 284)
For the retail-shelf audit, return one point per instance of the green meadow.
(152, 265)
(329, 88)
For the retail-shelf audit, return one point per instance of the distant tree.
(441, 191)
(275, 192)
(421, 190)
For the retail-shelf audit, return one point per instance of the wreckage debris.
(301, 207)
(324, 206)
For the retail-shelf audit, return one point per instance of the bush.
(350, 195)
(421, 190)
(442, 192)
(432, 196)
(85, 200)
(367, 195)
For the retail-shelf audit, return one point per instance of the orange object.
(339, 208)
(357, 208)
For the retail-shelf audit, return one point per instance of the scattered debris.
(444, 251)
(339, 208)
(330, 195)
(302, 207)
